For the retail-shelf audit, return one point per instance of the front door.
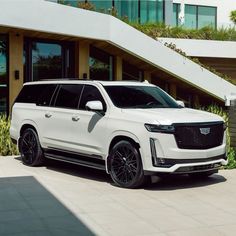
(89, 130)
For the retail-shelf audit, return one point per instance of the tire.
(126, 167)
(203, 175)
(30, 149)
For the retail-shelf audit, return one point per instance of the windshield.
(140, 97)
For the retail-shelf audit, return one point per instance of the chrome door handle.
(75, 118)
(48, 115)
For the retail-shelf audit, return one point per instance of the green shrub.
(233, 16)
(6, 145)
(156, 30)
(231, 152)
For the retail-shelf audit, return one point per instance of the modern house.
(44, 40)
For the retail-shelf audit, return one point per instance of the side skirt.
(93, 161)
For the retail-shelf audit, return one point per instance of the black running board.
(77, 159)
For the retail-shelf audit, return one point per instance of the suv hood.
(168, 116)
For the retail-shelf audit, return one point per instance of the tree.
(233, 16)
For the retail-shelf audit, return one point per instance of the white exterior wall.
(203, 48)
(224, 7)
(80, 23)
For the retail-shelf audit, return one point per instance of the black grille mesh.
(190, 136)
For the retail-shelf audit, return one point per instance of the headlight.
(160, 128)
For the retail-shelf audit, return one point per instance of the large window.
(151, 11)
(142, 11)
(3, 74)
(131, 72)
(100, 65)
(73, 3)
(176, 11)
(48, 60)
(128, 9)
(190, 18)
(197, 17)
(206, 16)
(102, 6)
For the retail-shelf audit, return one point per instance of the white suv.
(129, 129)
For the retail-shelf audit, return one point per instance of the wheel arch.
(117, 138)
(25, 125)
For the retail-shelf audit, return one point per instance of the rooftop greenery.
(161, 30)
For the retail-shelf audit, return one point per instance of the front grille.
(199, 135)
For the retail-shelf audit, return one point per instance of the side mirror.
(94, 106)
(180, 103)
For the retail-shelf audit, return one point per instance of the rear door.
(59, 117)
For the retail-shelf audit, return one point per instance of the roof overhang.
(54, 18)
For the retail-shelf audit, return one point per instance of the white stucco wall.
(203, 48)
(49, 17)
(224, 7)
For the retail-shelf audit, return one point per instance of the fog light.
(156, 161)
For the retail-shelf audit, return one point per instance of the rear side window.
(40, 94)
(29, 93)
(46, 94)
(68, 96)
(91, 93)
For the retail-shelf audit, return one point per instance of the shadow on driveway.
(27, 208)
(167, 183)
(173, 182)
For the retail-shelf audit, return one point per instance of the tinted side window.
(91, 93)
(46, 95)
(68, 96)
(29, 93)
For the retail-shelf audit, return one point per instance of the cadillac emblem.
(205, 131)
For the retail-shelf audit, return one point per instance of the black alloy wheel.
(126, 165)
(30, 149)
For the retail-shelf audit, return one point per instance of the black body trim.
(93, 161)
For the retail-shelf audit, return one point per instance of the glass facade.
(151, 11)
(176, 11)
(131, 72)
(100, 65)
(143, 11)
(73, 3)
(3, 74)
(102, 6)
(197, 17)
(206, 16)
(48, 60)
(128, 9)
(190, 17)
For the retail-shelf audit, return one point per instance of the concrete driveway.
(62, 199)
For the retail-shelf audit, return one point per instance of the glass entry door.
(48, 59)
(3, 74)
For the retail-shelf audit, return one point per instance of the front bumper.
(166, 157)
(188, 168)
